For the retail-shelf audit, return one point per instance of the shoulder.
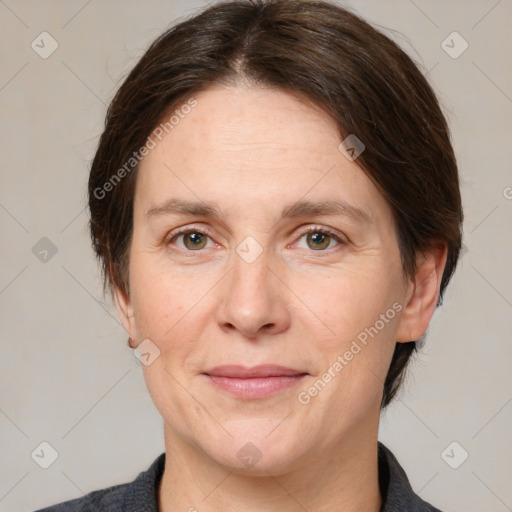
(398, 494)
(140, 495)
(109, 499)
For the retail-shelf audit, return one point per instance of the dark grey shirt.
(141, 494)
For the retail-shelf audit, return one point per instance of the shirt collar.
(395, 488)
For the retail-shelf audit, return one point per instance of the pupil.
(319, 240)
(194, 240)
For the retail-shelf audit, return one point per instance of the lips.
(264, 370)
(256, 382)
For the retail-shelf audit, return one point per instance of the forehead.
(258, 122)
(254, 146)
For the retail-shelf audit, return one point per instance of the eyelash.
(207, 232)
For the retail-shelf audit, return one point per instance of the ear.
(125, 312)
(422, 294)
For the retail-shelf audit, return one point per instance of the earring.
(130, 342)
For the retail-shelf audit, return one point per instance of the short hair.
(330, 58)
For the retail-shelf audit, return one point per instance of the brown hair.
(331, 58)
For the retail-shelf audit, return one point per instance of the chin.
(253, 451)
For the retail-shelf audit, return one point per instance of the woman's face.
(269, 279)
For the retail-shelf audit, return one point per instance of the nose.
(253, 299)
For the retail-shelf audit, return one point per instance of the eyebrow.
(174, 206)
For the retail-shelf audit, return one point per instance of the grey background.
(67, 376)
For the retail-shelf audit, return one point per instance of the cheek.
(152, 305)
(346, 310)
(158, 298)
(343, 301)
(170, 310)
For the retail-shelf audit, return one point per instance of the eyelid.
(189, 228)
(323, 229)
(308, 229)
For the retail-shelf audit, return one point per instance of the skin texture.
(253, 151)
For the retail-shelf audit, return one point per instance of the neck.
(344, 477)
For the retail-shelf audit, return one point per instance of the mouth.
(256, 382)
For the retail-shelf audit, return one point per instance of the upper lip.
(243, 372)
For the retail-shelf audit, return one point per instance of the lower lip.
(254, 387)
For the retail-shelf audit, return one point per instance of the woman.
(275, 203)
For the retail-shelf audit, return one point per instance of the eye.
(320, 239)
(192, 239)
